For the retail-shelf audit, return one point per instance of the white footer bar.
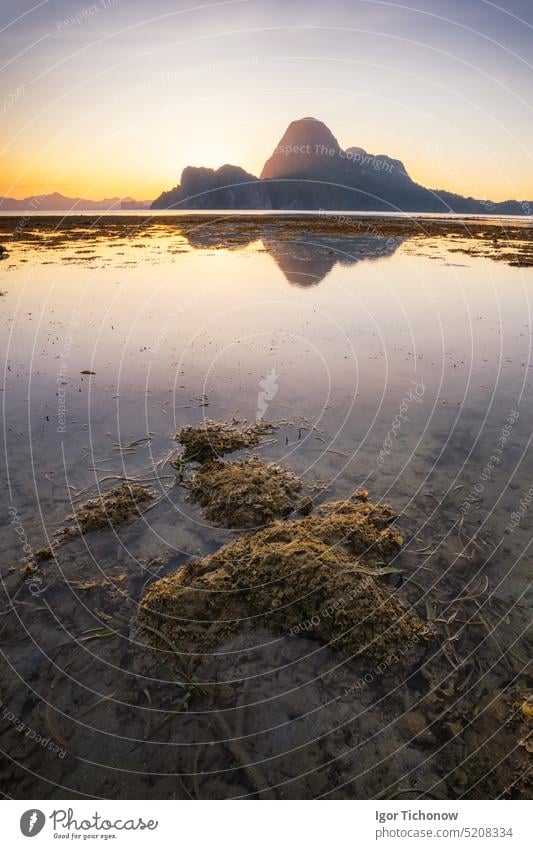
(264, 825)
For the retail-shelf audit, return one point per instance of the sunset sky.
(118, 99)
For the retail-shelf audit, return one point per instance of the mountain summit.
(307, 147)
(308, 170)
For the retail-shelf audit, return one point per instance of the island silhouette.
(308, 170)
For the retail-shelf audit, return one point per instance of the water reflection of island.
(305, 262)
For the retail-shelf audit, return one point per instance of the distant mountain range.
(60, 203)
(308, 170)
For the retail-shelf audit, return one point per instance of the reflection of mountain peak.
(302, 265)
(302, 262)
(305, 264)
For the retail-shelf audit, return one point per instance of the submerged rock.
(244, 494)
(319, 578)
(215, 439)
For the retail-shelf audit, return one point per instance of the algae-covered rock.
(112, 509)
(244, 494)
(215, 439)
(319, 577)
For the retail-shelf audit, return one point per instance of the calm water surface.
(400, 366)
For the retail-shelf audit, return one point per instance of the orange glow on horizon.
(20, 179)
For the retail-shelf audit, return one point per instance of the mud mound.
(112, 509)
(215, 439)
(245, 494)
(318, 577)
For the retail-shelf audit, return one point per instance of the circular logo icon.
(32, 822)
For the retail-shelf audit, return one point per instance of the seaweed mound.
(244, 494)
(319, 577)
(112, 509)
(215, 439)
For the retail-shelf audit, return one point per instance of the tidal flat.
(376, 361)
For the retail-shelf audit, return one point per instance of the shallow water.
(398, 365)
